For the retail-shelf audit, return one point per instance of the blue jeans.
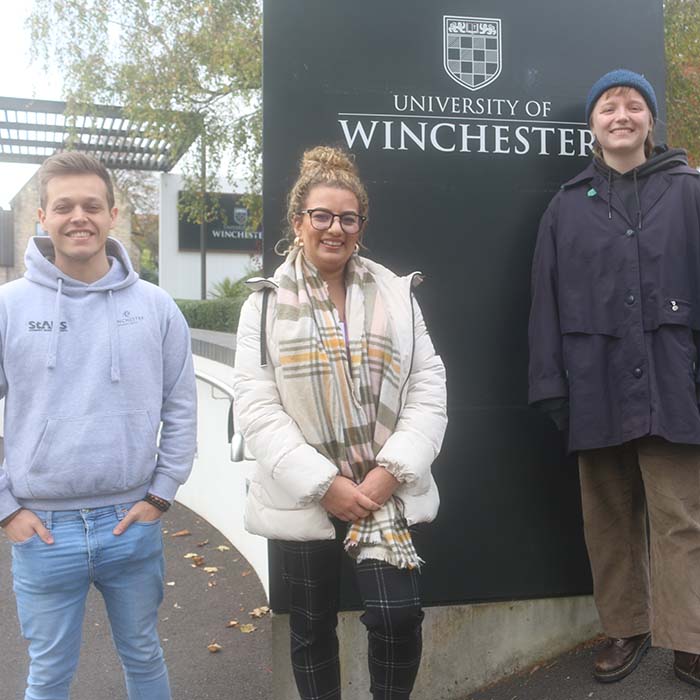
(51, 583)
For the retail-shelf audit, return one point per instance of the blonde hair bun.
(327, 158)
(324, 166)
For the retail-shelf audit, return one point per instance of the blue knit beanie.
(622, 78)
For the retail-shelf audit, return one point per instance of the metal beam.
(123, 144)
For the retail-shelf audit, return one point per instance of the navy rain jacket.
(615, 318)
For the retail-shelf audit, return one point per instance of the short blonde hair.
(73, 163)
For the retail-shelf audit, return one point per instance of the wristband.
(160, 503)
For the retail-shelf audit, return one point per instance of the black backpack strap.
(263, 328)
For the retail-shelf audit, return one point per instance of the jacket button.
(629, 299)
(638, 372)
(629, 232)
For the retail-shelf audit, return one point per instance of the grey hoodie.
(90, 373)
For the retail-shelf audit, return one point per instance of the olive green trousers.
(641, 515)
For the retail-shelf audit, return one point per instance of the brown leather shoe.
(687, 667)
(619, 657)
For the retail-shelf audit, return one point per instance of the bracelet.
(160, 503)
(9, 518)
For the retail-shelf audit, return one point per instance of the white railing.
(217, 486)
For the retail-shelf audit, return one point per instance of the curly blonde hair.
(328, 166)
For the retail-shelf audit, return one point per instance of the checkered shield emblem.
(240, 215)
(472, 50)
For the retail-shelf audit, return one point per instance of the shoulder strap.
(263, 328)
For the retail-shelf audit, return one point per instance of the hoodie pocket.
(93, 455)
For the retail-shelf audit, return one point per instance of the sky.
(20, 78)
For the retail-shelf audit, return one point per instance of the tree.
(140, 189)
(230, 289)
(203, 58)
(682, 28)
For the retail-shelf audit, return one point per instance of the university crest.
(240, 215)
(472, 50)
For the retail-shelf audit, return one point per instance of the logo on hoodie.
(45, 326)
(127, 319)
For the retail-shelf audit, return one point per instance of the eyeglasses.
(322, 220)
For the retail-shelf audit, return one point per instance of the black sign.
(465, 116)
(230, 231)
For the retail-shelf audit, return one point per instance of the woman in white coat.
(341, 399)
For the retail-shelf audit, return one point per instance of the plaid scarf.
(344, 397)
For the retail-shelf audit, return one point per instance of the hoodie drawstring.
(639, 204)
(55, 328)
(113, 338)
(609, 194)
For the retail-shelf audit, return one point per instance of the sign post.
(465, 116)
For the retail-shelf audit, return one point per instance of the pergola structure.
(31, 130)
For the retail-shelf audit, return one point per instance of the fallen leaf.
(181, 533)
(232, 623)
(247, 629)
(170, 583)
(211, 569)
(190, 555)
(211, 584)
(223, 548)
(236, 559)
(260, 612)
(214, 647)
(177, 606)
(246, 573)
(165, 532)
(198, 561)
(202, 543)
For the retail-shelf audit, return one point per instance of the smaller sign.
(228, 232)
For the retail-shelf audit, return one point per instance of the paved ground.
(194, 614)
(569, 678)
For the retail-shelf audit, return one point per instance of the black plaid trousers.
(393, 618)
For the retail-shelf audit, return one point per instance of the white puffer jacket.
(291, 476)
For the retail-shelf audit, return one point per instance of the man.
(93, 363)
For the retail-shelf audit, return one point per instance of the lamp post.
(203, 216)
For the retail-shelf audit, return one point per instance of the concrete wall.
(26, 224)
(180, 270)
(465, 647)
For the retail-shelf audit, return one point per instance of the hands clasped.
(349, 501)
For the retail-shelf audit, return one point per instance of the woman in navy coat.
(614, 334)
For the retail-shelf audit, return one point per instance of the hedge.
(212, 314)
